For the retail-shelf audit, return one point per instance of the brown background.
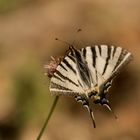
(27, 32)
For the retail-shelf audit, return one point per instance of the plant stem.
(48, 118)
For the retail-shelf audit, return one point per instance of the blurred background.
(27, 32)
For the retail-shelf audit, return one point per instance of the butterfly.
(87, 74)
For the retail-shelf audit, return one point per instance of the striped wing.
(104, 62)
(83, 70)
(86, 70)
(67, 79)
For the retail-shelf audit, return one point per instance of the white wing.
(67, 79)
(104, 62)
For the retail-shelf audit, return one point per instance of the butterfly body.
(87, 74)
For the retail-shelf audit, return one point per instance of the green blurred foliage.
(32, 99)
(6, 5)
(10, 5)
(31, 94)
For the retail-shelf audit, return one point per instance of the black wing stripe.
(62, 66)
(78, 56)
(56, 86)
(66, 78)
(82, 68)
(84, 52)
(55, 76)
(114, 51)
(71, 57)
(94, 55)
(107, 59)
(99, 50)
(68, 65)
(80, 84)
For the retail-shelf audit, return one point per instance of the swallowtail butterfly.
(86, 74)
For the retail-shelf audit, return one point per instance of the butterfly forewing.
(66, 79)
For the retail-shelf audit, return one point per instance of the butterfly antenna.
(78, 30)
(70, 45)
(64, 42)
(109, 108)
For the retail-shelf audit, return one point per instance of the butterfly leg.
(85, 104)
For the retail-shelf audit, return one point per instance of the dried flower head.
(51, 67)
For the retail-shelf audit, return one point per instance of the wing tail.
(85, 104)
